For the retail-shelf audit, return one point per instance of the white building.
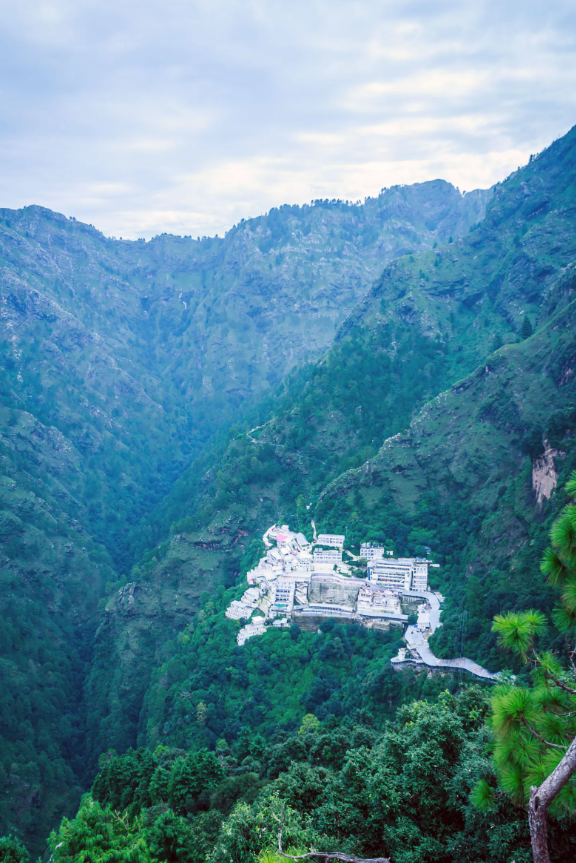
(283, 596)
(327, 555)
(423, 621)
(420, 575)
(255, 627)
(301, 540)
(334, 539)
(404, 573)
(377, 603)
(371, 552)
(280, 534)
(242, 608)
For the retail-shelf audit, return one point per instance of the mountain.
(120, 362)
(401, 370)
(137, 352)
(427, 423)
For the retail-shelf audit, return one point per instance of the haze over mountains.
(409, 363)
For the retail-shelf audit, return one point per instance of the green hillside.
(138, 352)
(402, 792)
(400, 371)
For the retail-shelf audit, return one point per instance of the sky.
(184, 116)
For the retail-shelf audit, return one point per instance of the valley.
(122, 363)
(387, 384)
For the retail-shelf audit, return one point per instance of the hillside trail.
(299, 455)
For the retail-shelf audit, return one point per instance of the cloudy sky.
(187, 115)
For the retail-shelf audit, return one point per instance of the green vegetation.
(460, 481)
(210, 688)
(535, 726)
(413, 362)
(341, 784)
(111, 383)
(163, 403)
(12, 851)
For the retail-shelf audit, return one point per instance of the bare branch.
(336, 855)
(562, 685)
(538, 661)
(541, 739)
(571, 655)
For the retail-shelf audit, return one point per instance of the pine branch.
(541, 739)
(537, 660)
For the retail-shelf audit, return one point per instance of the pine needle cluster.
(534, 725)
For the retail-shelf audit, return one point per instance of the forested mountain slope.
(51, 577)
(402, 791)
(137, 352)
(458, 316)
(118, 362)
(478, 476)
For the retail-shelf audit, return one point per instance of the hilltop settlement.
(302, 582)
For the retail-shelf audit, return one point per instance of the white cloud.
(186, 115)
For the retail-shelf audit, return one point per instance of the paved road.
(433, 602)
(419, 645)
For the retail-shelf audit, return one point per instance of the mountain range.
(400, 371)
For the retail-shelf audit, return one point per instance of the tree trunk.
(540, 800)
(538, 820)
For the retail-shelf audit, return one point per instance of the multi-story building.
(283, 595)
(375, 602)
(371, 552)
(334, 539)
(327, 555)
(420, 575)
(404, 573)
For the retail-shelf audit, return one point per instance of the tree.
(526, 330)
(310, 724)
(171, 838)
(496, 343)
(190, 776)
(12, 851)
(99, 834)
(535, 726)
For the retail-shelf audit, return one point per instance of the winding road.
(418, 651)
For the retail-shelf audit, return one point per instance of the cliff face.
(418, 428)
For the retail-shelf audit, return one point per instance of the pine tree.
(496, 342)
(535, 727)
(526, 330)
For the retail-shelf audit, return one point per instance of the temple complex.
(298, 581)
